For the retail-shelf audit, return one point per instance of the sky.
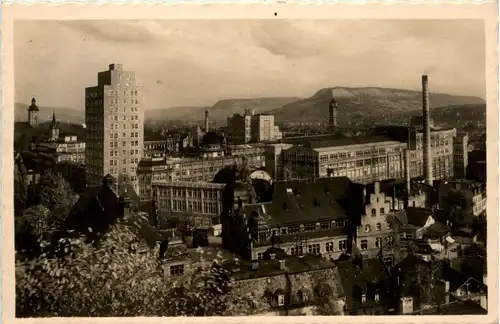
(198, 62)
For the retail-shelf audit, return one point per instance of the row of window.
(207, 207)
(115, 162)
(125, 101)
(115, 144)
(115, 92)
(378, 227)
(379, 241)
(116, 153)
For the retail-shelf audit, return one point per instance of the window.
(367, 228)
(378, 242)
(313, 249)
(382, 211)
(281, 300)
(177, 270)
(343, 245)
(379, 227)
(374, 212)
(364, 245)
(363, 298)
(389, 225)
(329, 247)
(260, 255)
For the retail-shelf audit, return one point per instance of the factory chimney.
(407, 177)
(427, 131)
(206, 121)
(332, 116)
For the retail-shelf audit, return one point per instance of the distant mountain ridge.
(68, 115)
(366, 103)
(222, 108)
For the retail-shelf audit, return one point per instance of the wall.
(305, 282)
(377, 210)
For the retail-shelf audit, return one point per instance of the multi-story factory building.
(154, 170)
(198, 204)
(363, 160)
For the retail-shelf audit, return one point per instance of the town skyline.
(262, 65)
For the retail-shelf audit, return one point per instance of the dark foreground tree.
(111, 279)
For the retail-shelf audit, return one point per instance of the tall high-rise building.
(115, 127)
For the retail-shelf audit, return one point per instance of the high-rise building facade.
(115, 127)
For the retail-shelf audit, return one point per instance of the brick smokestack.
(427, 131)
(206, 121)
(407, 177)
(332, 115)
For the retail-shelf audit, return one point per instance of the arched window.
(367, 228)
(382, 211)
(374, 212)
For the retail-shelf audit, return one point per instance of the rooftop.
(360, 140)
(308, 201)
(267, 268)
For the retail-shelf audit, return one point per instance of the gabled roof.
(370, 279)
(414, 216)
(308, 201)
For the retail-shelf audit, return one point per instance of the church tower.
(332, 116)
(33, 113)
(54, 128)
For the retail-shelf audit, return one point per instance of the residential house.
(288, 286)
(304, 217)
(433, 283)
(376, 230)
(366, 286)
(412, 223)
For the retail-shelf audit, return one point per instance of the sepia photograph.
(284, 166)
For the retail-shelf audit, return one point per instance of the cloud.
(201, 61)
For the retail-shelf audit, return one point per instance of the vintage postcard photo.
(295, 160)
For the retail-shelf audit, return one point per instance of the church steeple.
(53, 123)
(54, 128)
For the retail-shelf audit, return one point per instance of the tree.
(114, 278)
(54, 191)
(329, 305)
(20, 188)
(40, 220)
(459, 208)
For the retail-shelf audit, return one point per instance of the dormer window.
(374, 212)
(303, 296)
(281, 300)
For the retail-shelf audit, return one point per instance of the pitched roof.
(371, 278)
(269, 268)
(308, 201)
(415, 216)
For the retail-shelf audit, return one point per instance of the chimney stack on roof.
(282, 264)
(427, 131)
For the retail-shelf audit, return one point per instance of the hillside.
(365, 103)
(221, 109)
(45, 114)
